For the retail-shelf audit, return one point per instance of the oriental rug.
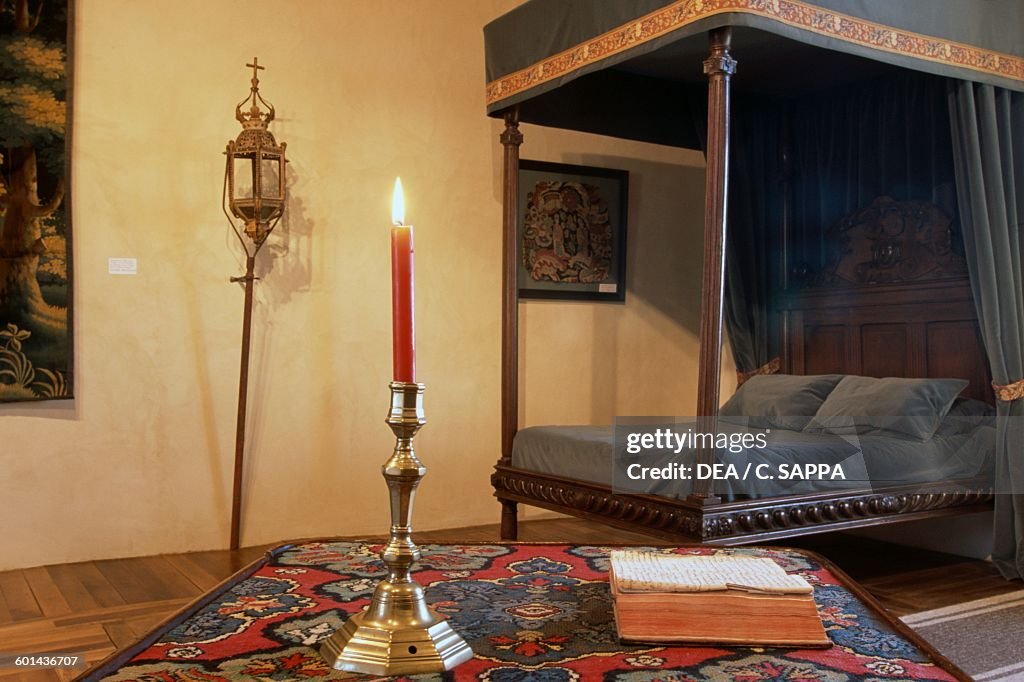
(529, 611)
(982, 636)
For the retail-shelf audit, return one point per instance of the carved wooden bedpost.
(510, 138)
(719, 67)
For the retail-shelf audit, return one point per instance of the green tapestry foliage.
(32, 88)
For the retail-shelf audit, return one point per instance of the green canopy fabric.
(544, 45)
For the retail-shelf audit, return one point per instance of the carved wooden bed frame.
(892, 301)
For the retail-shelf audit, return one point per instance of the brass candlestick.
(398, 634)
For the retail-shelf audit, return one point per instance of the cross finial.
(255, 66)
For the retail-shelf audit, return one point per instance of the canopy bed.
(837, 103)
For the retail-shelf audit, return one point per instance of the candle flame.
(398, 204)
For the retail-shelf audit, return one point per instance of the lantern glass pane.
(243, 178)
(271, 180)
(269, 211)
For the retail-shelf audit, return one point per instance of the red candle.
(403, 332)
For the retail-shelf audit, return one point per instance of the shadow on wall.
(283, 268)
(664, 257)
(664, 253)
(69, 409)
(585, 362)
(285, 262)
(604, 372)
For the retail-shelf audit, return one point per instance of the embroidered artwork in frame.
(572, 232)
(36, 353)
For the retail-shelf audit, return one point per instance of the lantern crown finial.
(254, 117)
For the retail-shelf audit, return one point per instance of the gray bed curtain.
(752, 251)
(754, 214)
(988, 144)
(888, 136)
(884, 137)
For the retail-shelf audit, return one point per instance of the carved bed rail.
(738, 522)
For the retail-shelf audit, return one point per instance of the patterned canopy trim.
(793, 13)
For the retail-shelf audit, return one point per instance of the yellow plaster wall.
(140, 462)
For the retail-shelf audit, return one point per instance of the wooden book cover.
(730, 616)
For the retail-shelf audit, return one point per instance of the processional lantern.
(254, 193)
(254, 178)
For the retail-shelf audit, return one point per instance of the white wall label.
(607, 288)
(122, 266)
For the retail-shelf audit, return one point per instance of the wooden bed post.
(510, 138)
(719, 67)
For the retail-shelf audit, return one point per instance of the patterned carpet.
(530, 612)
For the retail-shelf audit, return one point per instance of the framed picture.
(572, 232)
(36, 349)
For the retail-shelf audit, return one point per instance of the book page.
(637, 571)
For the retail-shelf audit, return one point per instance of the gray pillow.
(781, 401)
(965, 416)
(968, 407)
(902, 407)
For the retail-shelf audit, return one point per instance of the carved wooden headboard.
(894, 300)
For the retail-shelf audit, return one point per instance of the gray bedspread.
(957, 451)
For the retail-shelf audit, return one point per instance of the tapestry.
(529, 612)
(572, 231)
(35, 229)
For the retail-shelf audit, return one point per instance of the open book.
(671, 598)
(649, 572)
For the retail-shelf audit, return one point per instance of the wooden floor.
(97, 607)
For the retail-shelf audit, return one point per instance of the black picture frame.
(571, 236)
